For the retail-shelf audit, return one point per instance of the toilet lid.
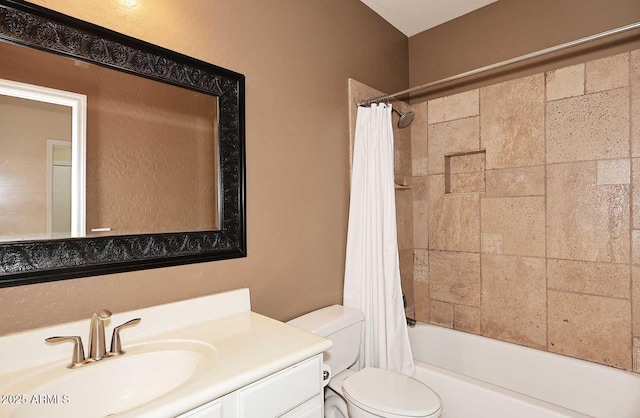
(381, 391)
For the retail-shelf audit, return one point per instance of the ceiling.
(414, 16)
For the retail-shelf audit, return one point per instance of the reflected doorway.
(58, 211)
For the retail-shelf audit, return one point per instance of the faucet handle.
(116, 343)
(77, 359)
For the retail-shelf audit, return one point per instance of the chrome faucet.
(97, 343)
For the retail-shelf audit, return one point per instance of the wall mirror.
(117, 155)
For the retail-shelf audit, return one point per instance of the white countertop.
(248, 346)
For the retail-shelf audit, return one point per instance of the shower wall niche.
(464, 172)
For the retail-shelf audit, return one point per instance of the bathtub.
(478, 377)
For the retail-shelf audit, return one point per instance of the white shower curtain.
(372, 271)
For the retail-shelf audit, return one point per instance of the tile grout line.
(418, 203)
(458, 303)
(589, 161)
(631, 209)
(541, 165)
(480, 208)
(540, 257)
(454, 119)
(587, 261)
(574, 292)
(585, 93)
(416, 295)
(514, 197)
(428, 208)
(546, 232)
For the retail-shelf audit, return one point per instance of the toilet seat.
(388, 394)
(335, 383)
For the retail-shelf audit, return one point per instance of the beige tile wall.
(546, 252)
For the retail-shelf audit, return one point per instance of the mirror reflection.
(35, 168)
(147, 161)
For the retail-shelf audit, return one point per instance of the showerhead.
(405, 118)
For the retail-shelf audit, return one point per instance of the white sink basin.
(114, 385)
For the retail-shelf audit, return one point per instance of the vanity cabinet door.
(295, 392)
(313, 408)
(282, 392)
(224, 407)
(210, 410)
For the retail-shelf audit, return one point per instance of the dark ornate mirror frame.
(27, 262)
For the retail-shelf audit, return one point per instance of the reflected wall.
(25, 127)
(151, 147)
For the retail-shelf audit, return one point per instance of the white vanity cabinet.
(295, 392)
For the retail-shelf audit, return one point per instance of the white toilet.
(369, 392)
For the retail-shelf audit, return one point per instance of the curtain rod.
(503, 63)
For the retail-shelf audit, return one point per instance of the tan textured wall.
(25, 126)
(535, 239)
(510, 28)
(297, 57)
(150, 146)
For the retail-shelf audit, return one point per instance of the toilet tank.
(342, 326)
